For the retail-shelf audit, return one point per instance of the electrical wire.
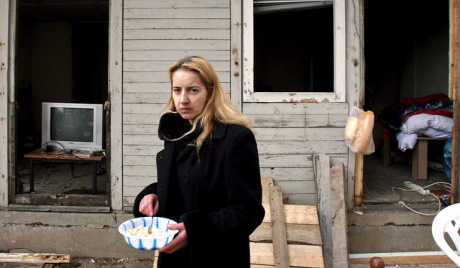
(424, 214)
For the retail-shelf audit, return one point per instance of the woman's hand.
(179, 242)
(149, 205)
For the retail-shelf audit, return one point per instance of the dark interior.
(61, 56)
(406, 55)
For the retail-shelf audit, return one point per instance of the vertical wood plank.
(4, 68)
(454, 49)
(339, 217)
(116, 104)
(248, 50)
(359, 166)
(108, 142)
(235, 40)
(455, 173)
(12, 117)
(355, 74)
(453, 93)
(266, 183)
(323, 190)
(280, 249)
(340, 49)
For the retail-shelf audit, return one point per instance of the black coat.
(216, 194)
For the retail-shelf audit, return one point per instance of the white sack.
(419, 122)
(406, 141)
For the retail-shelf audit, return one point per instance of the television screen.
(72, 124)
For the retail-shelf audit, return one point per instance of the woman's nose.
(184, 97)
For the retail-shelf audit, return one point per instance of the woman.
(208, 173)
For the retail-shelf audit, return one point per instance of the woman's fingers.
(149, 205)
(180, 241)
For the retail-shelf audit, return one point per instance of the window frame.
(339, 93)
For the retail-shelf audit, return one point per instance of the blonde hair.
(219, 108)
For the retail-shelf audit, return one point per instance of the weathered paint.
(5, 84)
(116, 100)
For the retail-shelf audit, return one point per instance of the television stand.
(41, 155)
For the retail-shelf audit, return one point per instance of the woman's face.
(189, 94)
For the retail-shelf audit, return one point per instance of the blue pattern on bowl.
(147, 243)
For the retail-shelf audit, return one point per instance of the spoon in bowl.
(150, 228)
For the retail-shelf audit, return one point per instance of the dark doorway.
(61, 56)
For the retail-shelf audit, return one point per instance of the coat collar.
(173, 126)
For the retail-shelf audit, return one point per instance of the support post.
(453, 94)
(359, 166)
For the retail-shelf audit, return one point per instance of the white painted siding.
(289, 134)
(155, 34)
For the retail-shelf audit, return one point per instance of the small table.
(40, 154)
(420, 157)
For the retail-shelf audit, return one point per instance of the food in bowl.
(149, 242)
(144, 232)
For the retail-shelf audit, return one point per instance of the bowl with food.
(136, 233)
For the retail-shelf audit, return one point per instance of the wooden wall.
(157, 33)
(289, 134)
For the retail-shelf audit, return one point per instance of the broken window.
(298, 51)
(293, 49)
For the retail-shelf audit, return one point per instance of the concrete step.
(391, 228)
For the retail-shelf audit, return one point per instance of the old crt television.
(74, 126)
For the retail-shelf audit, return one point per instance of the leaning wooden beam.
(280, 250)
(339, 217)
(323, 191)
(299, 255)
(35, 257)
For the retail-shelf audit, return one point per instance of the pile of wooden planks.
(289, 235)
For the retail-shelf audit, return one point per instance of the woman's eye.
(193, 90)
(176, 90)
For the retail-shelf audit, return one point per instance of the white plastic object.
(416, 187)
(448, 221)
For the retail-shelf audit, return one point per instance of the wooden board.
(295, 234)
(280, 250)
(401, 258)
(323, 182)
(41, 154)
(22, 265)
(299, 255)
(35, 257)
(339, 217)
(297, 214)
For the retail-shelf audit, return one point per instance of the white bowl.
(147, 243)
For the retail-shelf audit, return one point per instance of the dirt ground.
(115, 263)
(87, 263)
